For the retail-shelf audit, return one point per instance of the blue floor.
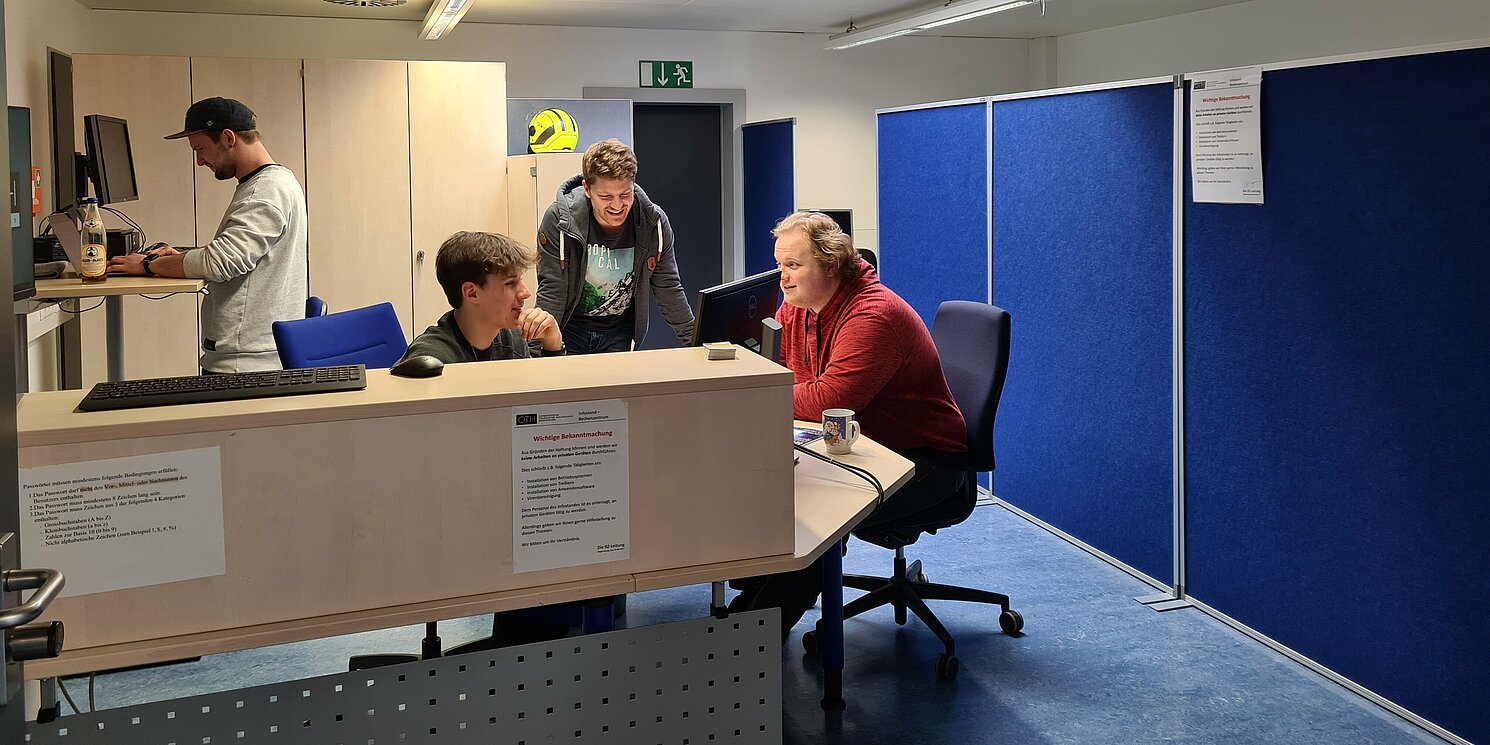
(1092, 666)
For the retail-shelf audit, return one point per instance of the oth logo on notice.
(526, 419)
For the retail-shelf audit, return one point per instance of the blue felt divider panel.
(933, 205)
(1082, 226)
(1338, 382)
(769, 153)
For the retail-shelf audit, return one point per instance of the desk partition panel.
(933, 204)
(1338, 382)
(770, 187)
(1082, 247)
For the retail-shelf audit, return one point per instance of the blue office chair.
(972, 340)
(314, 307)
(372, 336)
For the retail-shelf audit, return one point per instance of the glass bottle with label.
(95, 254)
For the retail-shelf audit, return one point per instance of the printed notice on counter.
(571, 485)
(125, 522)
(1226, 136)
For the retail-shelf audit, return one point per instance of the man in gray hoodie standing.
(255, 266)
(603, 248)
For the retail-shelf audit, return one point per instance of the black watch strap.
(145, 264)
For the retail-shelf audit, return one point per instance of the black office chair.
(972, 340)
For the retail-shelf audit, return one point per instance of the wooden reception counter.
(350, 511)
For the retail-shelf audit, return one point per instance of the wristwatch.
(145, 264)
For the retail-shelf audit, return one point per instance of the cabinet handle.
(419, 257)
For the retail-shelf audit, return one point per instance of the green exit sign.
(661, 74)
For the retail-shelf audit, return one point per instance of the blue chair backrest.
(372, 336)
(972, 340)
(314, 307)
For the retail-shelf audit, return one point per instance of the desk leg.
(831, 633)
(113, 312)
(70, 348)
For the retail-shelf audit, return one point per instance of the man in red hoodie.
(852, 343)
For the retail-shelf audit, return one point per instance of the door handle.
(46, 582)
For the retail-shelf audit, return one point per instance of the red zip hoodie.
(868, 351)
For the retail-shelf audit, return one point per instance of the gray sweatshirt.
(255, 268)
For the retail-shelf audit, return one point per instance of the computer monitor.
(23, 276)
(111, 163)
(844, 218)
(733, 311)
(66, 189)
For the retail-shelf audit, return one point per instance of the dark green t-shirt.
(610, 279)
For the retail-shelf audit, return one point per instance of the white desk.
(113, 291)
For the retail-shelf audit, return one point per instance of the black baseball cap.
(217, 113)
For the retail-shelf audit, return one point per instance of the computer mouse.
(418, 366)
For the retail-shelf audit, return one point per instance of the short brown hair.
(608, 159)
(831, 246)
(470, 256)
(247, 136)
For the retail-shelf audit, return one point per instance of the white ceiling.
(808, 16)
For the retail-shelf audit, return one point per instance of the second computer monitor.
(733, 311)
(844, 218)
(111, 163)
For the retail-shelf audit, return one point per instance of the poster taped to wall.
(1226, 136)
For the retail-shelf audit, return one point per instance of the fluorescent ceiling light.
(947, 14)
(442, 16)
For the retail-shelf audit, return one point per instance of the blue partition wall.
(769, 159)
(1338, 382)
(933, 205)
(1082, 245)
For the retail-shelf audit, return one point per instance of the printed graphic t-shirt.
(610, 276)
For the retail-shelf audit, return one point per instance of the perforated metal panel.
(693, 682)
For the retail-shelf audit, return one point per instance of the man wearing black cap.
(255, 265)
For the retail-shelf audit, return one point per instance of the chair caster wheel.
(946, 666)
(810, 643)
(1011, 622)
(921, 579)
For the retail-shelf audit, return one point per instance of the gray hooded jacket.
(563, 236)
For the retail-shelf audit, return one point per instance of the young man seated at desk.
(852, 343)
(481, 274)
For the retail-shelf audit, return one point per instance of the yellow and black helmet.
(552, 131)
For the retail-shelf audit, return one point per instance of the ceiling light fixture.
(947, 14)
(442, 16)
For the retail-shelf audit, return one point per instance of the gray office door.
(679, 151)
(12, 710)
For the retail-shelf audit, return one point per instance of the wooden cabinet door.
(458, 143)
(532, 182)
(522, 198)
(357, 184)
(161, 336)
(271, 87)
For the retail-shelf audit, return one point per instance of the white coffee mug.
(840, 430)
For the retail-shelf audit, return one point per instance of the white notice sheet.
(571, 485)
(125, 522)
(1226, 136)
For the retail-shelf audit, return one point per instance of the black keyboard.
(191, 389)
